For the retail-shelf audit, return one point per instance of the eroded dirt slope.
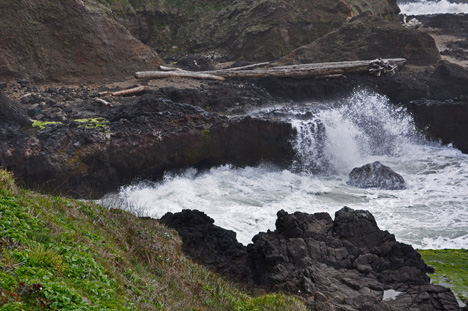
(67, 41)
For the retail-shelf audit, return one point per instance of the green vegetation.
(451, 269)
(62, 254)
(100, 124)
(42, 124)
(94, 123)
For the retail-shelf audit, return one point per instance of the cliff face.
(368, 37)
(241, 29)
(67, 41)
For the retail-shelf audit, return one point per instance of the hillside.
(241, 29)
(67, 41)
(60, 254)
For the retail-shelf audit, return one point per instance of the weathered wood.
(248, 66)
(400, 62)
(167, 68)
(134, 90)
(104, 102)
(302, 70)
(176, 74)
(305, 70)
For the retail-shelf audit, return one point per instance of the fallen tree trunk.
(248, 66)
(176, 74)
(302, 70)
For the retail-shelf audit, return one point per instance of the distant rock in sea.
(376, 175)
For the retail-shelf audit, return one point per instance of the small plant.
(46, 258)
(7, 182)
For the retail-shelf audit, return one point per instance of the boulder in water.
(376, 175)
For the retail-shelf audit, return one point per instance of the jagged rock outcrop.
(67, 41)
(376, 175)
(368, 37)
(342, 264)
(243, 29)
(213, 246)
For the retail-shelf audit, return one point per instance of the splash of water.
(363, 126)
(431, 213)
(426, 7)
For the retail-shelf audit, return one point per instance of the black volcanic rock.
(11, 112)
(444, 120)
(342, 264)
(376, 175)
(214, 246)
(138, 138)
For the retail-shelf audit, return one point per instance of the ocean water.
(431, 213)
(425, 7)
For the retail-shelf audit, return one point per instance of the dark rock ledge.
(342, 264)
(167, 128)
(141, 138)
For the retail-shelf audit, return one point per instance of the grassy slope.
(61, 254)
(451, 269)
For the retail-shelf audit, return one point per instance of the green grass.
(451, 269)
(62, 254)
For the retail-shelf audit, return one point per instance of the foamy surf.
(427, 7)
(431, 213)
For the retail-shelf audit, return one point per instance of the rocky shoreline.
(82, 147)
(343, 264)
(78, 140)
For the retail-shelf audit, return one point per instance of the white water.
(431, 213)
(426, 7)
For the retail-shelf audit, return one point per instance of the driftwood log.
(302, 70)
(131, 91)
(176, 74)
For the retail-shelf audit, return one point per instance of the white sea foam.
(426, 7)
(431, 213)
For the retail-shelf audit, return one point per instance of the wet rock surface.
(343, 264)
(83, 147)
(376, 175)
(444, 120)
(95, 148)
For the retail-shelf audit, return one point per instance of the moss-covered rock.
(451, 269)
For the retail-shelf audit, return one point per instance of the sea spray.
(362, 126)
(366, 127)
(426, 7)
